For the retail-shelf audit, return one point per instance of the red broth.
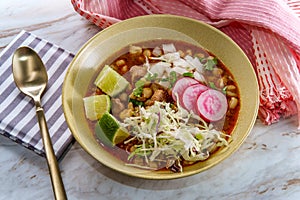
(218, 77)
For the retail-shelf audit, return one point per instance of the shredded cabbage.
(162, 130)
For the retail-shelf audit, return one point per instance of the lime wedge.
(96, 105)
(111, 82)
(110, 129)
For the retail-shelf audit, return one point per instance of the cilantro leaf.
(212, 85)
(151, 77)
(210, 63)
(188, 74)
(136, 102)
(172, 78)
(138, 90)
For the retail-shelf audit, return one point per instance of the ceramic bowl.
(104, 44)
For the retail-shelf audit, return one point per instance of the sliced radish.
(180, 86)
(190, 96)
(212, 105)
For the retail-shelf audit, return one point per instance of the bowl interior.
(103, 45)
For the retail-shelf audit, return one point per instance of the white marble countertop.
(265, 167)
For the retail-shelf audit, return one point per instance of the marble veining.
(265, 167)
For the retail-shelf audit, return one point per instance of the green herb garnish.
(210, 63)
(224, 90)
(172, 78)
(188, 74)
(136, 102)
(151, 77)
(212, 85)
(138, 90)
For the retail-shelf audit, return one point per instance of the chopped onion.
(159, 68)
(157, 51)
(168, 48)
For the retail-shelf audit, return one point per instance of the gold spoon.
(31, 78)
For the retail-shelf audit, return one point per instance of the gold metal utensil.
(31, 78)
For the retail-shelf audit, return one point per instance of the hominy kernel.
(189, 52)
(147, 53)
(230, 87)
(120, 62)
(231, 94)
(124, 69)
(233, 103)
(181, 53)
(217, 71)
(135, 50)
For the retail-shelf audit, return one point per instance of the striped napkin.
(267, 30)
(17, 112)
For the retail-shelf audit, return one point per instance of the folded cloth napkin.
(267, 30)
(17, 112)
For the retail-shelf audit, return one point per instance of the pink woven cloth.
(267, 30)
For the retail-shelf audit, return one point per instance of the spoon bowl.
(31, 78)
(29, 72)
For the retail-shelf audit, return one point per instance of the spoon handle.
(57, 183)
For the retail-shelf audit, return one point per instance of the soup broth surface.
(180, 104)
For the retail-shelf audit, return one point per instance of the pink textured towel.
(267, 30)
